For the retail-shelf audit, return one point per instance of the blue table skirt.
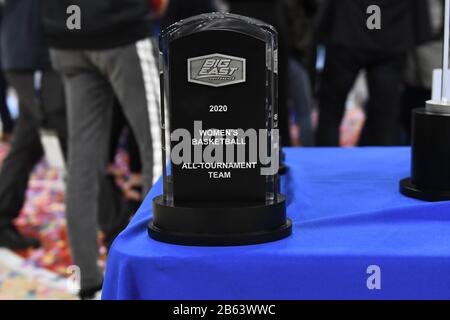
(348, 215)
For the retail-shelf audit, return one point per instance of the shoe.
(11, 238)
(93, 293)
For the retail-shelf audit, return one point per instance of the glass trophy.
(220, 135)
(430, 167)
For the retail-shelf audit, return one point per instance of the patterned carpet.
(39, 274)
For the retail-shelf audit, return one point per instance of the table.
(353, 231)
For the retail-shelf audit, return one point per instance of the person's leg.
(26, 149)
(283, 82)
(384, 80)
(269, 12)
(339, 75)
(135, 157)
(89, 103)
(111, 219)
(5, 116)
(133, 187)
(133, 73)
(54, 106)
(117, 126)
(301, 96)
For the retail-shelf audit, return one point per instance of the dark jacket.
(404, 24)
(23, 44)
(300, 21)
(182, 9)
(105, 24)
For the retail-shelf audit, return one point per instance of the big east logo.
(216, 70)
(216, 67)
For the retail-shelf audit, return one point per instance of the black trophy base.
(224, 226)
(430, 159)
(408, 189)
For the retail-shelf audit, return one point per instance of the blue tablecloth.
(348, 215)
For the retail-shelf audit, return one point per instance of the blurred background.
(79, 94)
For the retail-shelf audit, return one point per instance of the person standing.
(270, 11)
(103, 51)
(353, 43)
(299, 20)
(26, 63)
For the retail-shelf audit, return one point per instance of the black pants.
(5, 116)
(384, 76)
(38, 108)
(119, 122)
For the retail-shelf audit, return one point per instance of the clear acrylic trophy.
(220, 136)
